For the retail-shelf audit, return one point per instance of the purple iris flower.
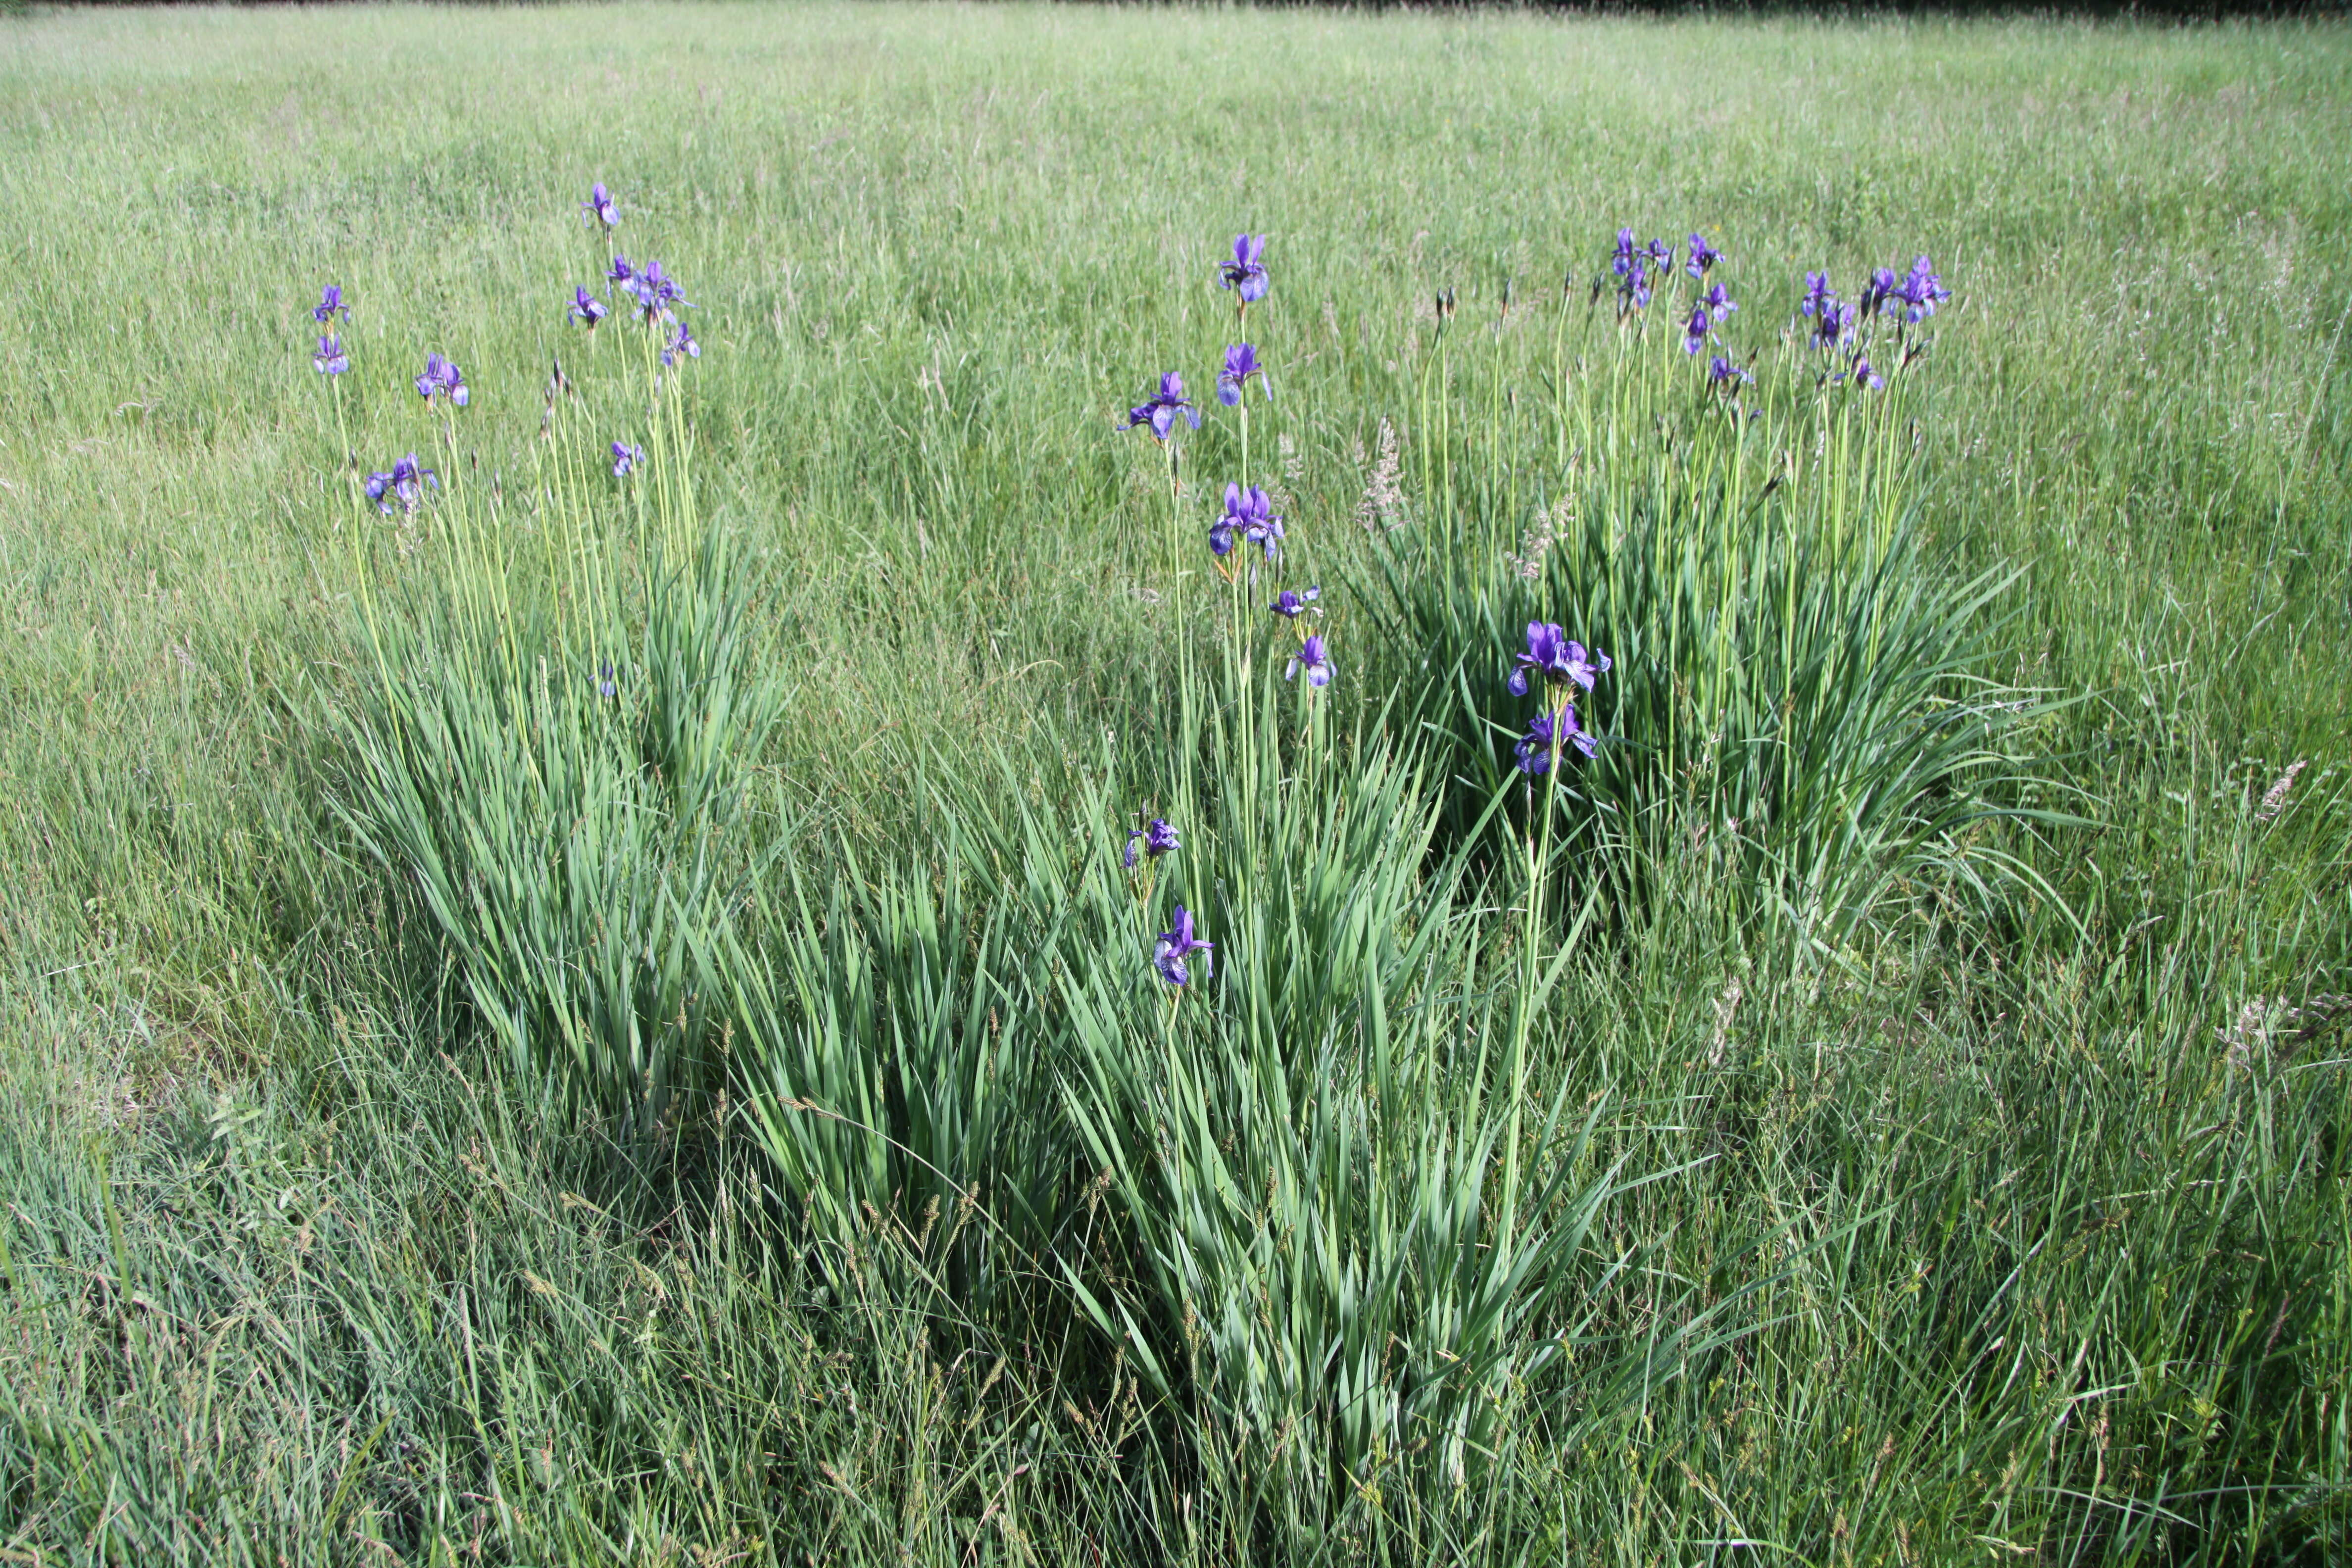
(625, 457)
(1628, 253)
(682, 346)
(1694, 334)
(620, 274)
(1290, 605)
(1313, 659)
(330, 305)
(1878, 291)
(1719, 303)
(1534, 750)
(1246, 270)
(1157, 838)
(1241, 364)
(1818, 293)
(331, 360)
(409, 479)
(606, 686)
(1702, 256)
(1176, 946)
(1662, 254)
(404, 484)
(600, 207)
(1161, 411)
(1864, 377)
(442, 378)
(1250, 514)
(654, 291)
(1921, 291)
(586, 307)
(1558, 658)
(1829, 326)
(1722, 373)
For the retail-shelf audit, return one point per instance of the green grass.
(450, 1116)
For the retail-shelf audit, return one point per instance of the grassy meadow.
(576, 1017)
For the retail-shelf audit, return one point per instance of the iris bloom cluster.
(444, 380)
(1561, 666)
(1250, 517)
(625, 456)
(1839, 328)
(658, 294)
(405, 484)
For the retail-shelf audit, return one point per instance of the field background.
(272, 1234)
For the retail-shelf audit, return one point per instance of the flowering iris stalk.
(600, 207)
(1817, 294)
(1557, 658)
(1176, 946)
(1247, 271)
(1241, 364)
(443, 379)
(586, 308)
(1159, 412)
(1154, 838)
(606, 686)
(682, 346)
(1702, 255)
(625, 457)
(1719, 302)
(330, 305)
(1696, 334)
(1865, 379)
(1724, 376)
(331, 360)
(1314, 659)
